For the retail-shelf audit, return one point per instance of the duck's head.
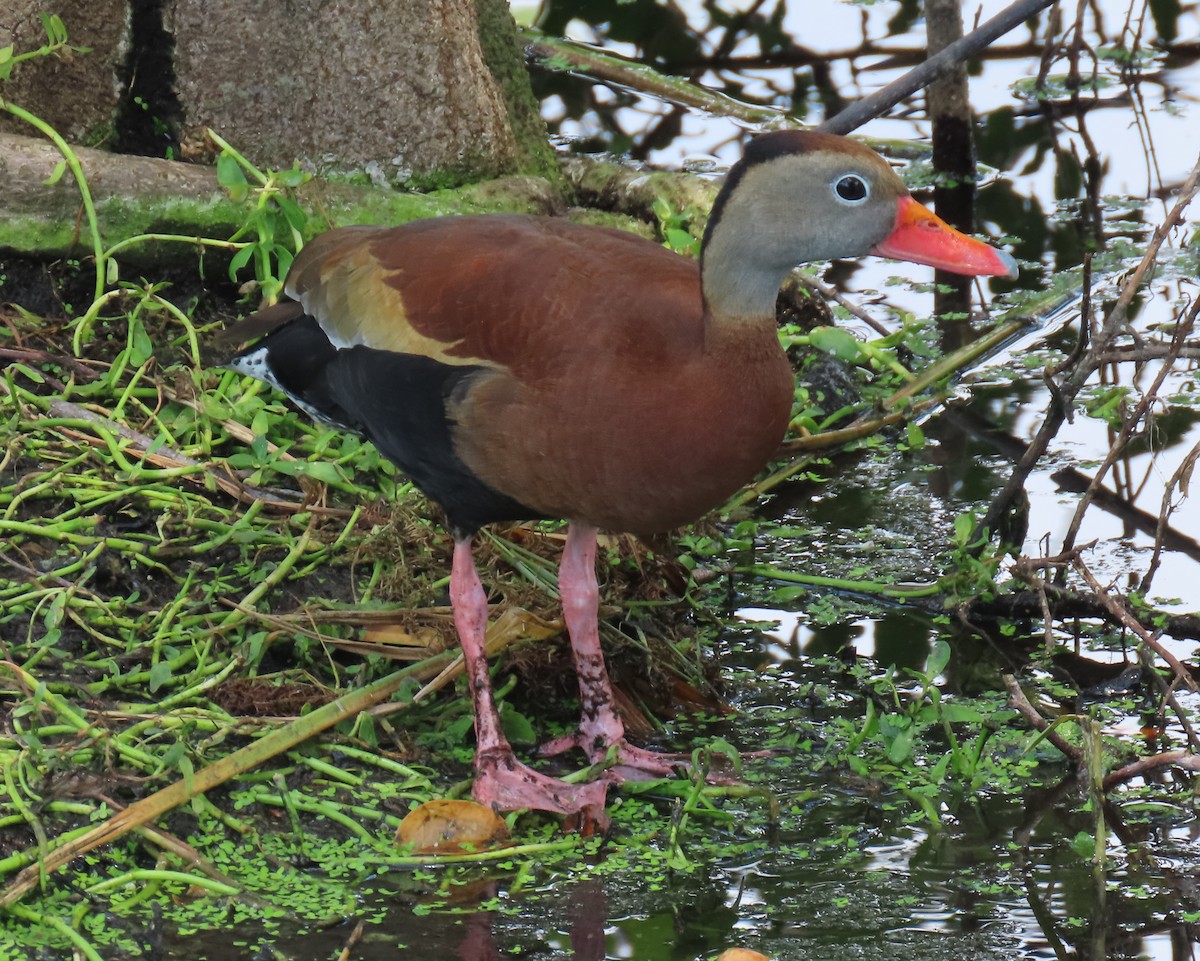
(798, 196)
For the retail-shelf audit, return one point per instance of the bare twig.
(1150, 668)
(1183, 759)
(1179, 480)
(936, 66)
(1018, 699)
(1122, 616)
(1130, 423)
(1115, 321)
(1075, 481)
(831, 293)
(613, 69)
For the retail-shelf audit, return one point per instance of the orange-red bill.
(924, 238)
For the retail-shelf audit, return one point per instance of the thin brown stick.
(936, 66)
(1183, 759)
(1150, 670)
(832, 293)
(1067, 391)
(1122, 616)
(1179, 480)
(28, 355)
(1018, 700)
(613, 69)
(1130, 423)
(355, 936)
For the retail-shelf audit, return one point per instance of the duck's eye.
(852, 189)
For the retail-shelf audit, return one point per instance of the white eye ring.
(851, 189)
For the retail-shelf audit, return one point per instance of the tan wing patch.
(358, 300)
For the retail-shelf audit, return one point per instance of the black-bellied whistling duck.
(526, 367)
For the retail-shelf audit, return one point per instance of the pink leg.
(501, 781)
(600, 726)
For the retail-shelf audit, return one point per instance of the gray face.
(793, 208)
(818, 205)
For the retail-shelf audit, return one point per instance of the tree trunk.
(418, 92)
(79, 93)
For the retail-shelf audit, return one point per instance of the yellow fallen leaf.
(741, 954)
(452, 827)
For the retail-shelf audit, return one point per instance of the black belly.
(397, 401)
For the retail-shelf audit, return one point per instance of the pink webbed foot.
(627, 762)
(505, 784)
(501, 781)
(631, 763)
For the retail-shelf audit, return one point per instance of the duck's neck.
(740, 273)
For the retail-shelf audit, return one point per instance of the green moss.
(606, 218)
(502, 53)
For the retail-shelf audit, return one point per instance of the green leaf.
(174, 755)
(322, 471)
(365, 729)
(963, 525)
(284, 258)
(56, 175)
(240, 259)
(938, 658)
(957, 713)
(215, 408)
(293, 177)
(718, 746)
(54, 614)
(160, 674)
(56, 30)
(141, 348)
(680, 241)
(231, 176)
(916, 436)
(1084, 845)
(833, 340)
(901, 747)
(296, 217)
(516, 726)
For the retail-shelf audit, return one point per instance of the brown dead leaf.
(402, 644)
(452, 827)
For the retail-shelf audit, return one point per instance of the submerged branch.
(1062, 603)
(1183, 759)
